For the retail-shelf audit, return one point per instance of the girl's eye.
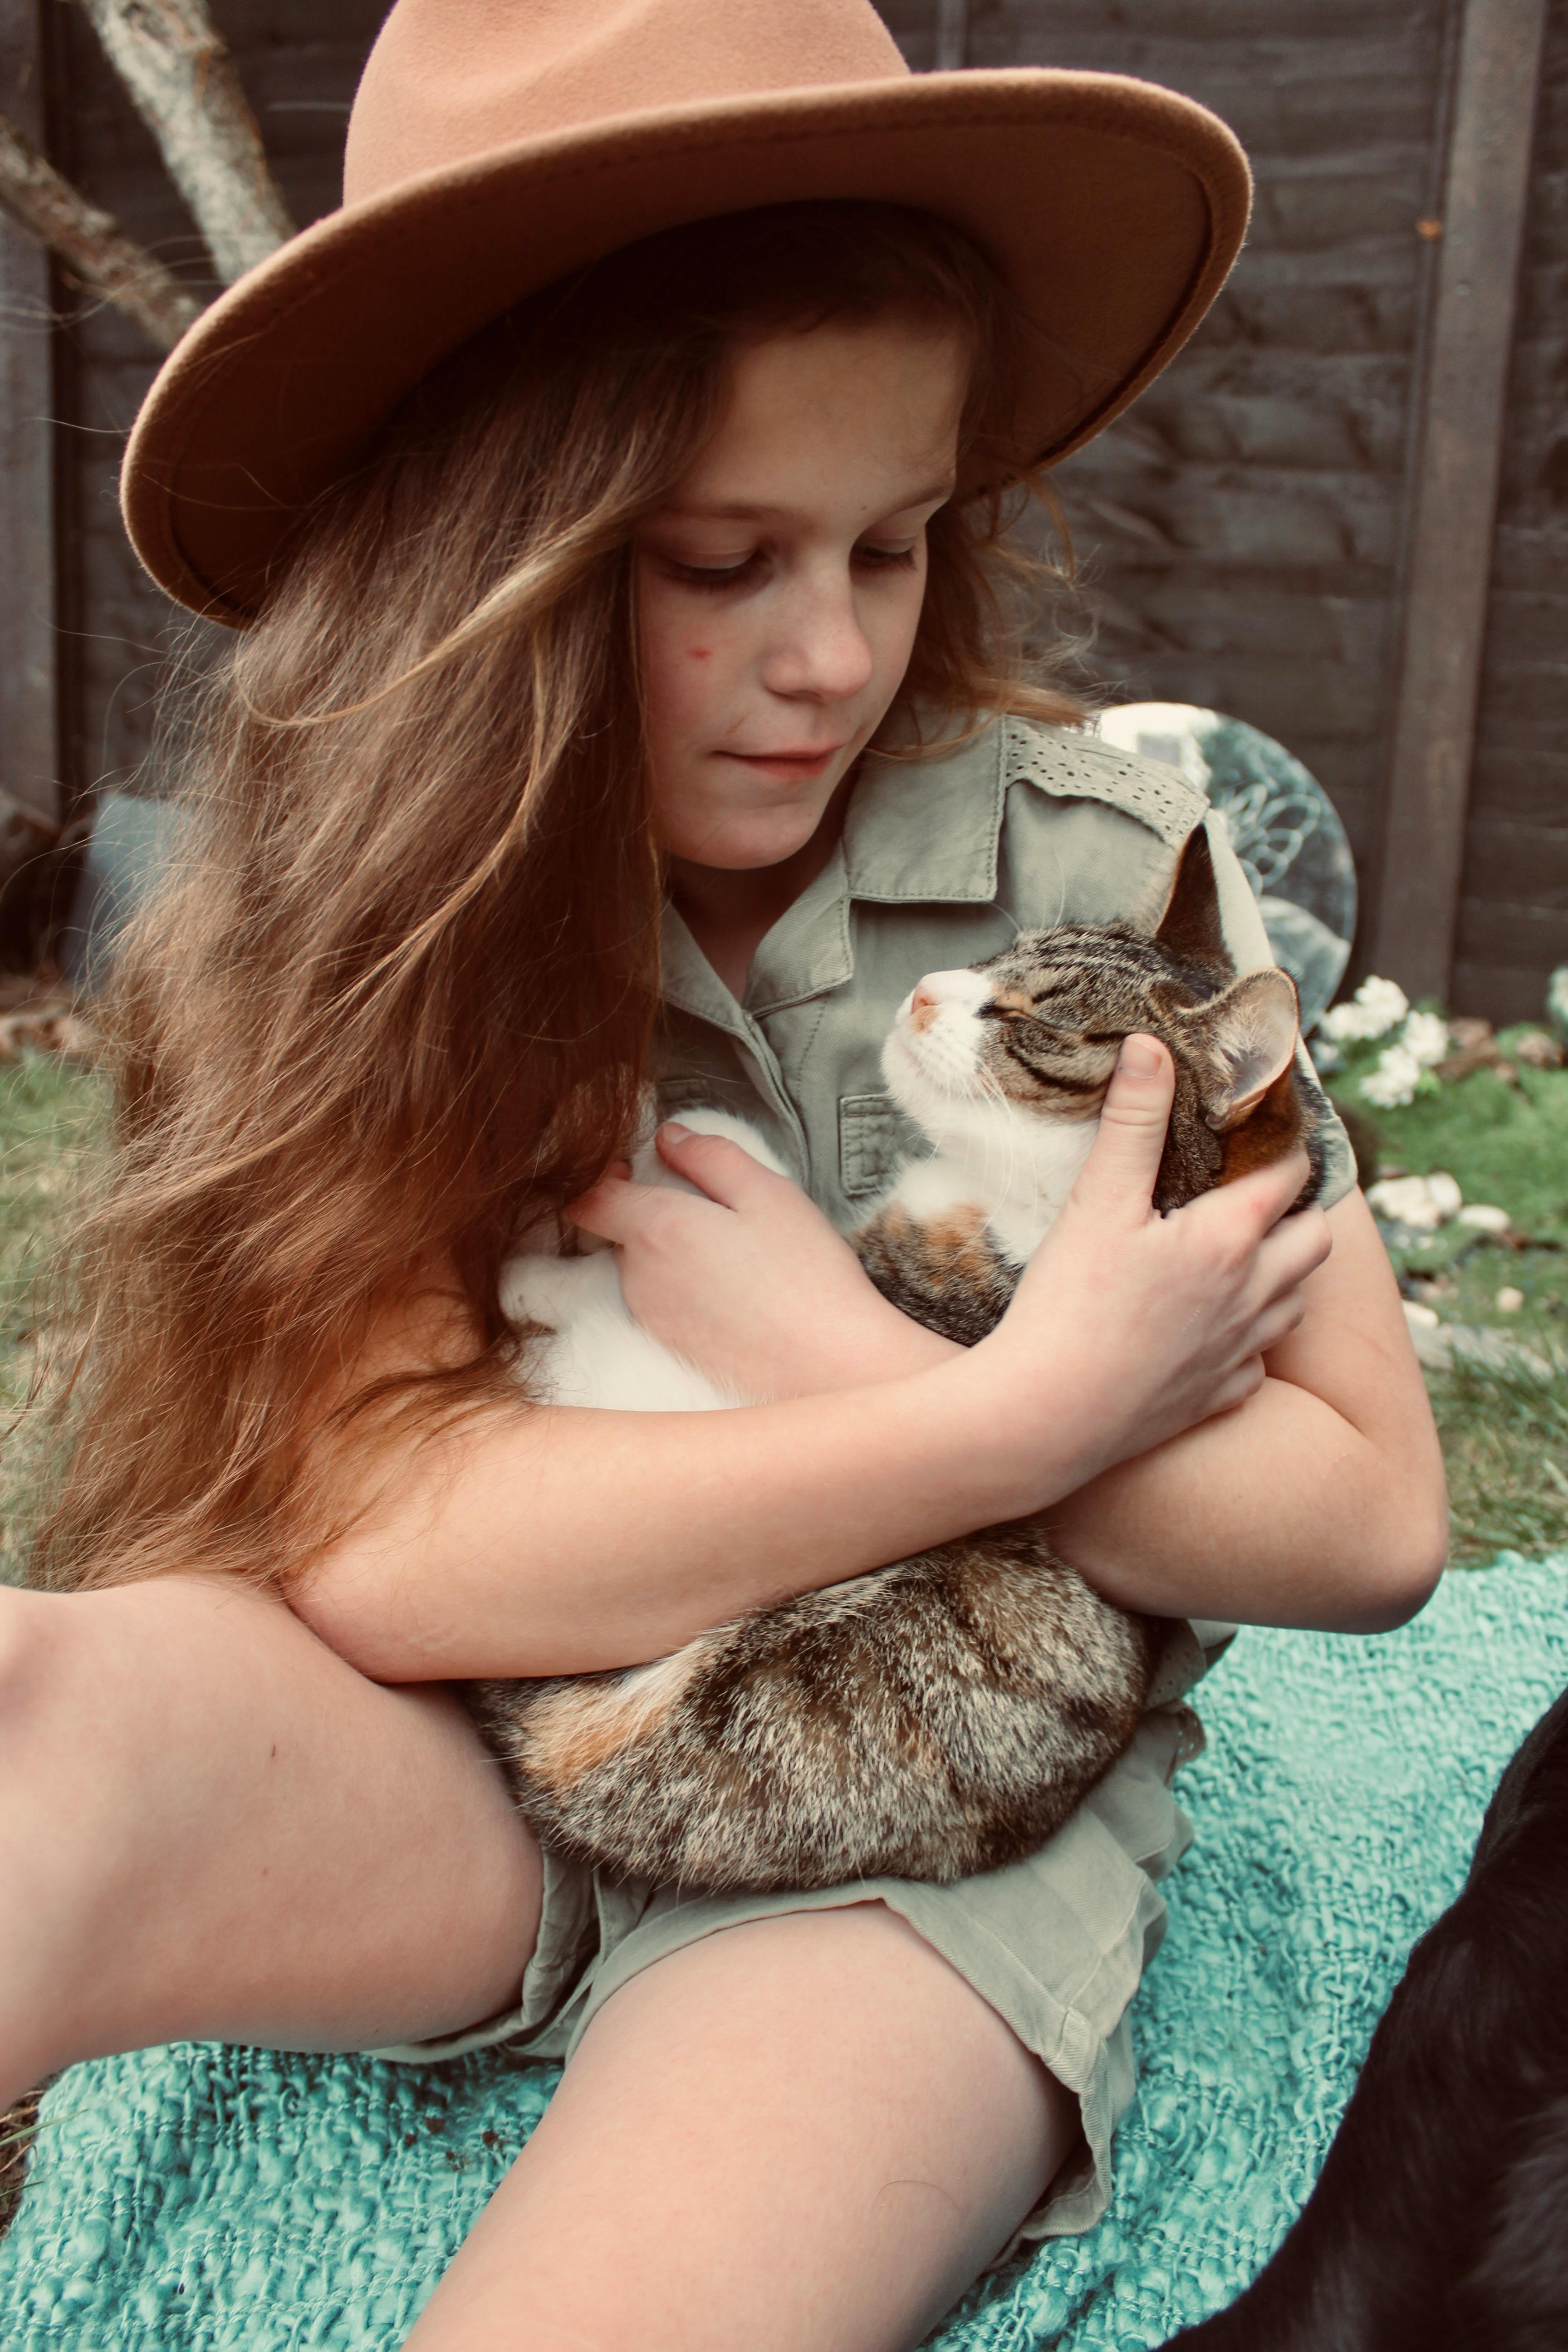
(885, 559)
(713, 575)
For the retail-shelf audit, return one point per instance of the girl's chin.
(742, 849)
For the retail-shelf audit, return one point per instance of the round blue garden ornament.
(1283, 827)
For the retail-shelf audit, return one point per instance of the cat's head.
(1035, 1031)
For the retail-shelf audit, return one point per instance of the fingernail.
(1140, 1057)
(676, 1132)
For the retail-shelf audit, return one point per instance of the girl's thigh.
(210, 1826)
(806, 2131)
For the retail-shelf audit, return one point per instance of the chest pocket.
(873, 1136)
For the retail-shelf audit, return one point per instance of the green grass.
(1507, 1144)
(1505, 1442)
(1468, 1288)
(1505, 1435)
(49, 1112)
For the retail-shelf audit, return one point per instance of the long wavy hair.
(395, 1002)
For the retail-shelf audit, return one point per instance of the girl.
(629, 695)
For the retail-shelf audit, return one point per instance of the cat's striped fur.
(945, 1715)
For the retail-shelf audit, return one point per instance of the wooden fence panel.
(298, 63)
(1243, 530)
(29, 717)
(1513, 904)
(1456, 462)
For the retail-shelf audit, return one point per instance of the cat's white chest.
(598, 1354)
(1017, 1172)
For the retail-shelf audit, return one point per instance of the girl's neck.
(730, 911)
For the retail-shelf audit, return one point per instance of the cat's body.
(946, 1714)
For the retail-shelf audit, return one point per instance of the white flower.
(1377, 1006)
(1423, 1201)
(1426, 1034)
(1326, 1054)
(1406, 1202)
(1394, 1080)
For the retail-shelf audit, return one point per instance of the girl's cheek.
(685, 688)
(685, 672)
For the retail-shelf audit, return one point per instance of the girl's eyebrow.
(728, 511)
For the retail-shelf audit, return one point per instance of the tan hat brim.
(1112, 209)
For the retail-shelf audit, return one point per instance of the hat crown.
(448, 80)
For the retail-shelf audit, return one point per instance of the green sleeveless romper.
(939, 864)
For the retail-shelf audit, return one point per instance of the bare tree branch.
(93, 246)
(169, 55)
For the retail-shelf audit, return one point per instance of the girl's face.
(779, 591)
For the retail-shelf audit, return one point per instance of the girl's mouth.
(789, 766)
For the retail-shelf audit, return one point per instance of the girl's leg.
(210, 1826)
(806, 2133)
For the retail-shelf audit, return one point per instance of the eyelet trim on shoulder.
(1077, 767)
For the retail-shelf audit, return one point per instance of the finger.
(1277, 1321)
(1238, 1386)
(1273, 1191)
(1119, 1174)
(1296, 1248)
(615, 1209)
(723, 1170)
(1254, 1204)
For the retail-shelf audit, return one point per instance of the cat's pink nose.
(923, 1005)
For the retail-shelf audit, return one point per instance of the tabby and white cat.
(946, 1714)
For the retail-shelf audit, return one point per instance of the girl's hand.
(750, 1282)
(1137, 1326)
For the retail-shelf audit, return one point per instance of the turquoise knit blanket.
(205, 2197)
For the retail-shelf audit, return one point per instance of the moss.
(50, 1111)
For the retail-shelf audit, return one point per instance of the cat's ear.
(1190, 927)
(1242, 1041)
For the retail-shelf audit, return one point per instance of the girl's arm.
(1320, 1501)
(543, 1540)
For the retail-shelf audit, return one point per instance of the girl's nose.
(822, 651)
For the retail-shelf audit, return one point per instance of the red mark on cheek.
(699, 653)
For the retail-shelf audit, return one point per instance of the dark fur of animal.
(1440, 2221)
(947, 1714)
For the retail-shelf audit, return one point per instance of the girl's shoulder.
(1067, 764)
(1048, 823)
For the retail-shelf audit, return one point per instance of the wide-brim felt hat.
(495, 146)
